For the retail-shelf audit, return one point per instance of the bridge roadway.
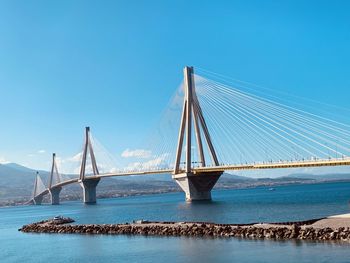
(221, 168)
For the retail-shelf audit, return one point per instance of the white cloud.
(68, 165)
(73, 165)
(140, 153)
(153, 164)
(41, 151)
(76, 158)
(60, 161)
(113, 170)
(3, 160)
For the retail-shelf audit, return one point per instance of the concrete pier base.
(197, 186)
(89, 190)
(38, 200)
(55, 195)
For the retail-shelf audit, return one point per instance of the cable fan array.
(246, 128)
(39, 186)
(157, 150)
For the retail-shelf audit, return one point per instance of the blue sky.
(113, 65)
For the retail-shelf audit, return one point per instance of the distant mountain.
(156, 177)
(18, 167)
(233, 177)
(12, 173)
(16, 183)
(320, 177)
(17, 180)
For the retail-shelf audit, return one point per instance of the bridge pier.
(38, 200)
(55, 195)
(89, 190)
(197, 186)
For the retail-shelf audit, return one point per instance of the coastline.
(22, 201)
(333, 228)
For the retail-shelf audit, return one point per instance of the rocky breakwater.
(190, 229)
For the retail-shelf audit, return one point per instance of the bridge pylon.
(88, 184)
(54, 190)
(197, 186)
(37, 199)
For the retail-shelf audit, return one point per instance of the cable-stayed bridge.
(206, 129)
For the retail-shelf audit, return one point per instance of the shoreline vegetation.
(71, 196)
(334, 228)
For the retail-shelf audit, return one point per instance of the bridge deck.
(277, 165)
(222, 168)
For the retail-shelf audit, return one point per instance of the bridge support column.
(197, 186)
(38, 200)
(89, 190)
(55, 195)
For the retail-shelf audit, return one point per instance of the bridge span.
(197, 178)
(202, 171)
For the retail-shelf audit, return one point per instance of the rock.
(193, 229)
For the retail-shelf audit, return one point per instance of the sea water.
(285, 203)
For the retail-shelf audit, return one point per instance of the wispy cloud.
(3, 160)
(72, 165)
(153, 164)
(138, 153)
(36, 153)
(76, 158)
(60, 160)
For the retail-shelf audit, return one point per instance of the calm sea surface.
(286, 203)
